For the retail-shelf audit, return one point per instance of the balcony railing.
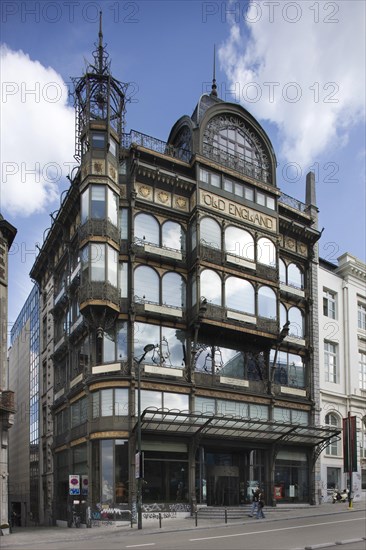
(294, 203)
(156, 145)
(99, 291)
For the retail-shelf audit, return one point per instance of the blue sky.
(297, 66)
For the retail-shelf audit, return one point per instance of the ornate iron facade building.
(184, 287)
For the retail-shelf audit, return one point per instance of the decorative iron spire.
(214, 87)
(100, 55)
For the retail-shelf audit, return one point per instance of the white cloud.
(319, 63)
(37, 128)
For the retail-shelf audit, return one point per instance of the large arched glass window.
(266, 252)
(332, 420)
(147, 229)
(173, 236)
(294, 276)
(173, 289)
(229, 141)
(239, 295)
(210, 233)
(296, 319)
(211, 286)
(146, 282)
(239, 242)
(266, 302)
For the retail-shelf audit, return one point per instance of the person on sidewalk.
(255, 498)
(260, 514)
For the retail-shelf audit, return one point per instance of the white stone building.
(342, 375)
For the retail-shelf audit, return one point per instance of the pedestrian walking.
(260, 514)
(255, 499)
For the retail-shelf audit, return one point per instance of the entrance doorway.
(223, 486)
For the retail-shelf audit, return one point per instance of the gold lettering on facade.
(238, 211)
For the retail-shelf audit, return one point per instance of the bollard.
(196, 517)
(225, 515)
(160, 520)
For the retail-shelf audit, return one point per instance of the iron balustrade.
(154, 144)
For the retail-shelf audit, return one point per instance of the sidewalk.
(23, 536)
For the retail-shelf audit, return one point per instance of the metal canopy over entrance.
(158, 421)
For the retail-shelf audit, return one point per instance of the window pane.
(176, 401)
(121, 401)
(123, 279)
(150, 399)
(106, 402)
(85, 205)
(267, 302)
(98, 140)
(123, 215)
(239, 295)
(112, 207)
(109, 346)
(211, 286)
(121, 341)
(204, 405)
(294, 276)
(97, 201)
(145, 334)
(283, 271)
(239, 242)
(215, 180)
(266, 252)
(172, 347)
(173, 236)
(97, 261)
(173, 290)
(146, 284)
(296, 322)
(112, 266)
(147, 229)
(210, 233)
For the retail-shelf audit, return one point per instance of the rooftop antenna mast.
(214, 87)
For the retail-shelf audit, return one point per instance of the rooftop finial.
(100, 55)
(100, 46)
(214, 87)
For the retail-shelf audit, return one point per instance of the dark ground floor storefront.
(189, 461)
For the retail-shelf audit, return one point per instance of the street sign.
(74, 484)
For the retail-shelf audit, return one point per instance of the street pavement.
(23, 536)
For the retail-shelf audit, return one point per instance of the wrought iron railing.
(98, 228)
(99, 291)
(155, 144)
(294, 203)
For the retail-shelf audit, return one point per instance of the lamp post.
(147, 348)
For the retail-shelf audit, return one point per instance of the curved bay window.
(99, 262)
(99, 202)
(228, 141)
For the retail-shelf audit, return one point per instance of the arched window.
(173, 289)
(147, 229)
(146, 284)
(173, 236)
(239, 295)
(229, 141)
(295, 276)
(283, 315)
(283, 272)
(266, 252)
(239, 242)
(211, 286)
(296, 319)
(266, 302)
(210, 232)
(332, 420)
